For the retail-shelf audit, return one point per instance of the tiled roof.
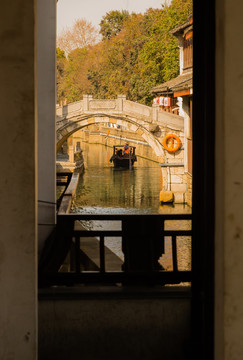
(181, 82)
(180, 27)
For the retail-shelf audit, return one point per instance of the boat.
(123, 156)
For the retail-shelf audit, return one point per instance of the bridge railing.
(145, 240)
(118, 107)
(69, 109)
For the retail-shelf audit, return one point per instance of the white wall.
(184, 111)
(229, 180)
(46, 62)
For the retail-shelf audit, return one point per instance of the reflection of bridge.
(150, 122)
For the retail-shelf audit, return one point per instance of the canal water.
(102, 189)
(106, 190)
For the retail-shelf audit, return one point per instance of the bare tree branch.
(80, 35)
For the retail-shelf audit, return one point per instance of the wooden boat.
(123, 156)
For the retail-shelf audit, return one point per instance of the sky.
(93, 10)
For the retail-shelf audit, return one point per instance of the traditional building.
(176, 95)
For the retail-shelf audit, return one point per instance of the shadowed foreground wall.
(114, 327)
(18, 280)
(228, 182)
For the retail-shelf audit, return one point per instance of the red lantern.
(167, 101)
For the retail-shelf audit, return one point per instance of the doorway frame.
(203, 204)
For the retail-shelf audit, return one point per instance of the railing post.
(174, 253)
(86, 99)
(86, 102)
(155, 110)
(143, 243)
(77, 253)
(56, 247)
(120, 99)
(102, 254)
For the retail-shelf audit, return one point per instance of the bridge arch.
(69, 127)
(66, 128)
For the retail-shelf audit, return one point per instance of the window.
(187, 52)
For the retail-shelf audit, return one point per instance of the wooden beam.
(182, 93)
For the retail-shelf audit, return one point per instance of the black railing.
(79, 255)
(62, 180)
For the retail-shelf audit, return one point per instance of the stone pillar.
(166, 195)
(86, 102)
(86, 99)
(18, 210)
(70, 149)
(155, 109)
(46, 67)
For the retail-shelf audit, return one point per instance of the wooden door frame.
(203, 208)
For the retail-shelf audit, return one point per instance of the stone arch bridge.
(151, 123)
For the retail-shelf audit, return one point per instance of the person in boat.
(126, 149)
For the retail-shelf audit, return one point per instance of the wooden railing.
(143, 239)
(70, 181)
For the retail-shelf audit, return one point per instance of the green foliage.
(74, 82)
(60, 73)
(137, 52)
(60, 54)
(112, 23)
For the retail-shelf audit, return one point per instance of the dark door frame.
(203, 179)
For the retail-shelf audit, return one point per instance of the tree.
(136, 54)
(159, 58)
(80, 35)
(112, 23)
(75, 82)
(60, 63)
